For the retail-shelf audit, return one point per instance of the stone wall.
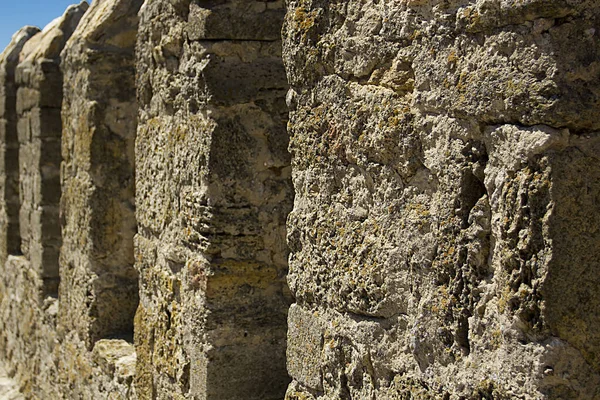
(99, 291)
(444, 157)
(42, 349)
(39, 100)
(9, 146)
(439, 177)
(28, 285)
(213, 191)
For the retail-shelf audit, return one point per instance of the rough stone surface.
(9, 146)
(99, 284)
(99, 292)
(28, 316)
(39, 100)
(8, 387)
(29, 337)
(213, 192)
(445, 232)
(443, 241)
(9, 183)
(40, 341)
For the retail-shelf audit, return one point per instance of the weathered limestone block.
(213, 192)
(10, 242)
(39, 99)
(445, 234)
(99, 290)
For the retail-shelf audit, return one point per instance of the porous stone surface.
(443, 241)
(445, 232)
(8, 387)
(213, 192)
(43, 350)
(99, 290)
(9, 193)
(28, 316)
(9, 145)
(39, 100)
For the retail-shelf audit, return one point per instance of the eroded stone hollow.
(429, 170)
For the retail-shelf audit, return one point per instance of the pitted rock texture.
(445, 154)
(213, 192)
(8, 387)
(27, 308)
(444, 235)
(25, 341)
(99, 289)
(43, 352)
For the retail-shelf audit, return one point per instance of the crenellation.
(9, 145)
(39, 99)
(213, 193)
(98, 174)
(260, 200)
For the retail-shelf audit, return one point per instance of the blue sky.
(17, 13)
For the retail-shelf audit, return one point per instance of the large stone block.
(99, 288)
(438, 152)
(213, 192)
(235, 20)
(305, 343)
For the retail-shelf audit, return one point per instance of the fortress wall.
(442, 239)
(444, 156)
(9, 167)
(39, 100)
(213, 193)
(43, 351)
(9, 145)
(9, 161)
(99, 284)
(29, 333)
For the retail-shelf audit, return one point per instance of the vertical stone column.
(39, 100)
(9, 174)
(28, 331)
(99, 292)
(213, 193)
(445, 235)
(10, 242)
